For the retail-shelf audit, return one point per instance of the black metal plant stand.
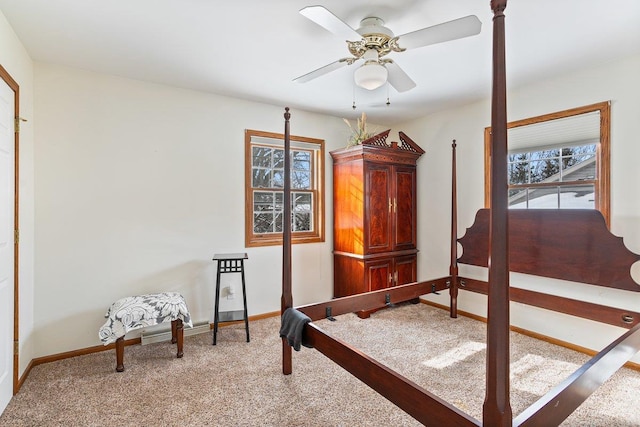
(230, 263)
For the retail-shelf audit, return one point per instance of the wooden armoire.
(374, 215)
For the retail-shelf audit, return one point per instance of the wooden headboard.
(568, 244)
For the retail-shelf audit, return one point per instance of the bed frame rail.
(586, 310)
(560, 402)
(408, 396)
(373, 300)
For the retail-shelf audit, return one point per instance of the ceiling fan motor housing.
(374, 36)
(373, 25)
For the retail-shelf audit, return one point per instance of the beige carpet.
(240, 384)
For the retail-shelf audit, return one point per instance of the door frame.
(6, 77)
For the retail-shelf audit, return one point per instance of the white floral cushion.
(131, 313)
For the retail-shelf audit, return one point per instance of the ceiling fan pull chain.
(388, 102)
(354, 97)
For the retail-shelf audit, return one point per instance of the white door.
(7, 176)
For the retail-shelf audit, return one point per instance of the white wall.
(617, 82)
(14, 58)
(138, 186)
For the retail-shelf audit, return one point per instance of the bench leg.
(120, 354)
(179, 335)
(174, 331)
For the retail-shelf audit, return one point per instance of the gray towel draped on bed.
(293, 322)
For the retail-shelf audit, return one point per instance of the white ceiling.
(253, 49)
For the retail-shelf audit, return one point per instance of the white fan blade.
(330, 22)
(398, 78)
(322, 71)
(452, 30)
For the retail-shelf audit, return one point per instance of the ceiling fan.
(372, 41)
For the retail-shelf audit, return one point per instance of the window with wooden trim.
(557, 161)
(264, 183)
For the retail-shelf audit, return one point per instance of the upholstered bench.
(140, 311)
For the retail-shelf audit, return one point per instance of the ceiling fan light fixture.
(371, 76)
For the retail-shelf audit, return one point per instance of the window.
(264, 183)
(557, 161)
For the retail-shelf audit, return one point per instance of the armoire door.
(404, 208)
(379, 274)
(378, 208)
(405, 269)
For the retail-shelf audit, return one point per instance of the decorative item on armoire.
(359, 132)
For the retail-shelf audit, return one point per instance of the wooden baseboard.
(98, 348)
(24, 376)
(81, 352)
(631, 365)
(67, 354)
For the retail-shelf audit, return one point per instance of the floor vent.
(159, 336)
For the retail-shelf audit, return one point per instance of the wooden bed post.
(453, 266)
(497, 407)
(287, 297)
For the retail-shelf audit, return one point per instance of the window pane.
(568, 161)
(545, 154)
(302, 209)
(543, 170)
(301, 180)
(278, 159)
(302, 201)
(577, 168)
(577, 197)
(543, 198)
(263, 223)
(520, 157)
(264, 159)
(301, 170)
(518, 173)
(267, 207)
(262, 201)
(518, 198)
(261, 157)
(278, 178)
(302, 222)
(278, 222)
(261, 178)
(302, 160)
(584, 149)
